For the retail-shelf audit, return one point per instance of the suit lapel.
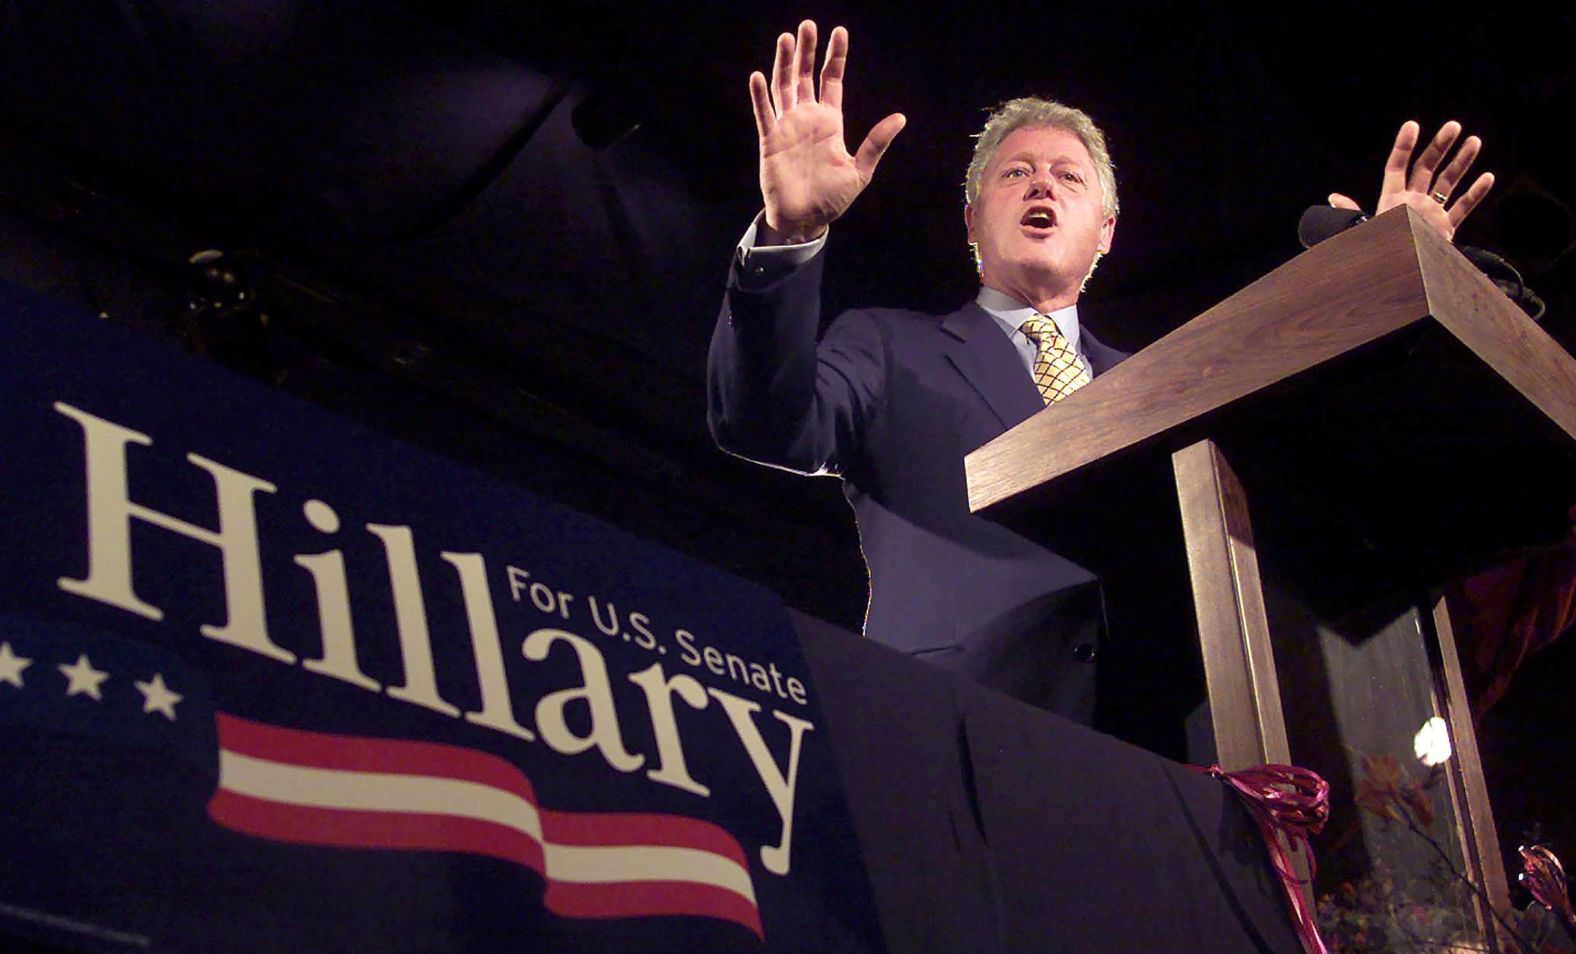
(990, 364)
(1102, 356)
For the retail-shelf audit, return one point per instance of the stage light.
(1432, 742)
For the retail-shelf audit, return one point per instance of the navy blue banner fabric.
(270, 682)
(994, 826)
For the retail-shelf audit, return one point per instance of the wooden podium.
(1390, 421)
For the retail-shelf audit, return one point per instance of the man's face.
(1037, 219)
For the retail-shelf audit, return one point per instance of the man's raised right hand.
(808, 177)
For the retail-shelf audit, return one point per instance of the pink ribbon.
(1291, 801)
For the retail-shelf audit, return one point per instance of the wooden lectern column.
(1233, 631)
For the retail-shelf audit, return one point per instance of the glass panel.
(1362, 710)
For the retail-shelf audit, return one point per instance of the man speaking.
(892, 400)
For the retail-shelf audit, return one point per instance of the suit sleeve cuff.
(762, 266)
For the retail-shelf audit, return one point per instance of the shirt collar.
(1010, 313)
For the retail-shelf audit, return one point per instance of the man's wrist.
(787, 233)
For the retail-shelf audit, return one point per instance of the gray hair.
(1033, 112)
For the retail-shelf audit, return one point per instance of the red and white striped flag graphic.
(350, 791)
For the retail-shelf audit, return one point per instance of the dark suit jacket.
(891, 401)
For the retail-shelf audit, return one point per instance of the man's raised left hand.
(1423, 185)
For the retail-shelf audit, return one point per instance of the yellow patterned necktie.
(1057, 370)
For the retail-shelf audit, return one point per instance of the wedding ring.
(1439, 197)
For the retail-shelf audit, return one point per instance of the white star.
(11, 665)
(157, 697)
(83, 678)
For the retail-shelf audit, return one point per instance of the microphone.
(1320, 222)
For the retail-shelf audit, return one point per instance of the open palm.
(808, 176)
(1431, 193)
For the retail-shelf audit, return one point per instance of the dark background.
(500, 229)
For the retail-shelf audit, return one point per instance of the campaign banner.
(269, 681)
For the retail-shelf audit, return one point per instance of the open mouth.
(1039, 218)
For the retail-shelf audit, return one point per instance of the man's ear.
(1107, 233)
(968, 221)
